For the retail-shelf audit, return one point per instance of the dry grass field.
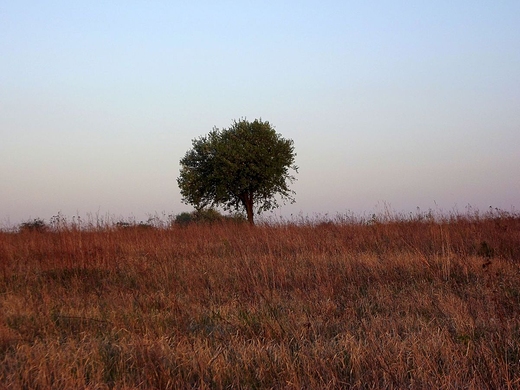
(388, 303)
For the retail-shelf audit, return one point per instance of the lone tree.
(243, 167)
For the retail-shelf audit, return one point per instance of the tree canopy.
(244, 167)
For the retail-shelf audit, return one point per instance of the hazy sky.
(408, 103)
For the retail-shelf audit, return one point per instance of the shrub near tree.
(207, 216)
(246, 167)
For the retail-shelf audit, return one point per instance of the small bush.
(184, 218)
(207, 216)
(36, 225)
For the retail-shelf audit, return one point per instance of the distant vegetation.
(363, 303)
(36, 225)
(61, 223)
(207, 216)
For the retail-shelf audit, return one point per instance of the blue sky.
(404, 103)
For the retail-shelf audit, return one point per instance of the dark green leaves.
(244, 166)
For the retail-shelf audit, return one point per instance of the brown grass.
(403, 303)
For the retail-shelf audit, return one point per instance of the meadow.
(380, 303)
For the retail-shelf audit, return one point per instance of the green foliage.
(199, 216)
(207, 216)
(240, 168)
(184, 218)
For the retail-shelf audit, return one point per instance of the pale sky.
(404, 103)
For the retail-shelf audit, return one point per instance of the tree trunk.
(247, 200)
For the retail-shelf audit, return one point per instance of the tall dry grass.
(400, 303)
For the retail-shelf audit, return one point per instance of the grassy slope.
(398, 304)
